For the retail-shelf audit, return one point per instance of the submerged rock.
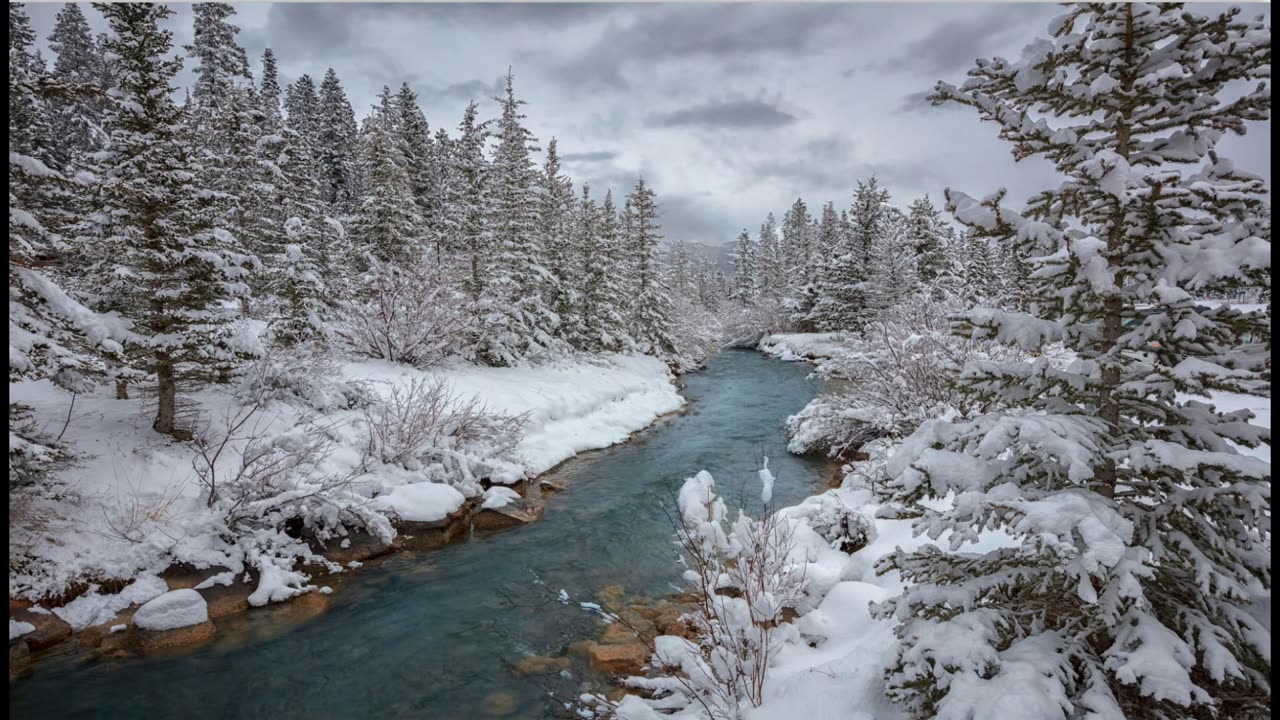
(502, 702)
(517, 511)
(539, 665)
(155, 641)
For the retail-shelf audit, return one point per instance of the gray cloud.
(951, 48)
(477, 90)
(594, 156)
(727, 114)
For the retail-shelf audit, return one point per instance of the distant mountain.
(720, 254)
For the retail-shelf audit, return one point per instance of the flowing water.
(432, 635)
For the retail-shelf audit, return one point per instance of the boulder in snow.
(176, 619)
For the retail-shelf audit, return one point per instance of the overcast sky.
(729, 111)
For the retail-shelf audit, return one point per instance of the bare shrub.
(302, 375)
(422, 422)
(262, 479)
(406, 314)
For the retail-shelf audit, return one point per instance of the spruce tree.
(1141, 529)
(799, 242)
(894, 266)
(78, 69)
(555, 197)
(603, 324)
(928, 234)
(336, 136)
(167, 264)
(517, 323)
(745, 265)
(651, 301)
(771, 264)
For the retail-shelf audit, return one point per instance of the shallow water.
(432, 635)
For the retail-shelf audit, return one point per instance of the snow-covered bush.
(304, 375)
(423, 424)
(260, 479)
(696, 332)
(743, 578)
(847, 529)
(744, 326)
(405, 313)
(892, 377)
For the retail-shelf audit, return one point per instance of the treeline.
(839, 270)
(156, 238)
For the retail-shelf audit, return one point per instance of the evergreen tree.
(680, 270)
(78, 69)
(744, 290)
(386, 224)
(516, 323)
(269, 93)
(336, 136)
(222, 67)
(651, 298)
(467, 233)
(928, 235)
(166, 264)
(799, 241)
(302, 105)
(894, 270)
(771, 264)
(603, 324)
(555, 195)
(1144, 530)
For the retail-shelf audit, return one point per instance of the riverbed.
(433, 635)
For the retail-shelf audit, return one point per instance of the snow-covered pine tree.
(651, 298)
(51, 335)
(893, 272)
(709, 283)
(301, 244)
(78, 108)
(841, 302)
(1142, 527)
(517, 323)
(467, 207)
(602, 290)
(680, 270)
(555, 210)
(386, 223)
(978, 269)
(336, 140)
(221, 63)
(772, 265)
(413, 134)
(166, 264)
(799, 242)
(302, 107)
(929, 235)
(744, 271)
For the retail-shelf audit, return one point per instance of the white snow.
(766, 483)
(140, 507)
(17, 628)
(802, 346)
(422, 502)
(498, 497)
(172, 610)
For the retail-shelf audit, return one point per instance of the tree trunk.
(1113, 307)
(166, 396)
(122, 389)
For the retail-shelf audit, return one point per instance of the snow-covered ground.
(801, 346)
(134, 503)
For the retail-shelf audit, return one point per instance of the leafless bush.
(260, 478)
(405, 314)
(422, 422)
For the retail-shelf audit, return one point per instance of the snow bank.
(138, 505)
(422, 502)
(18, 628)
(802, 346)
(571, 405)
(172, 610)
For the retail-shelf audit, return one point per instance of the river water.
(432, 635)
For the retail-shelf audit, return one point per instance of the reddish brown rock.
(539, 665)
(148, 642)
(360, 547)
(94, 635)
(50, 629)
(224, 600)
(626, 659)
(19, 657)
